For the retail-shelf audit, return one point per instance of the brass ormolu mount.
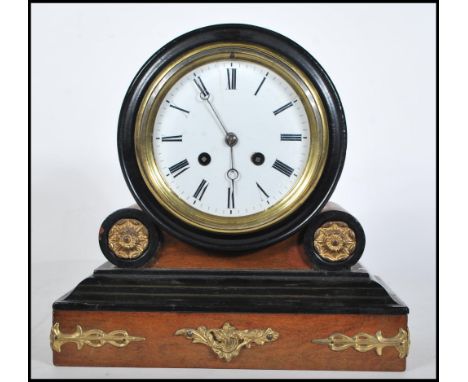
(128, 238)
(93, 337)
(363, 342)
(334, 241)
(228, 341)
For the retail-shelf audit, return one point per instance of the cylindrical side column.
(334, 239)
(129, 238)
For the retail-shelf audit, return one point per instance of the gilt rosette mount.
(334, 241)
(228, 341)
(128, 238)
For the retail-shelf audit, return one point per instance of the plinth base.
(245, 319)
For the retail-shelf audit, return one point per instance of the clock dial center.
(232, 174)
(231, 139)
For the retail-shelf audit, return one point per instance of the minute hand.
(217, 116)
(205, 96)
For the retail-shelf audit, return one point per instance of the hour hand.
(232, 174)
(230, 201)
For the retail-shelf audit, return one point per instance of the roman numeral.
(283, 168)
(179, 168)
(201, 190)
(177, 107)
(291, 137)
(230, 197)
(231, 77)
(283, 108)
(261, 84)
(262, 190)
(172, 138)
(201, 86)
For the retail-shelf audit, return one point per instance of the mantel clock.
(231, 139)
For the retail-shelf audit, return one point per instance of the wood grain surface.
(293, 350)
(288, 254)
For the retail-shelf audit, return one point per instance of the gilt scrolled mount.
(228, 341)
(364, 342)
(95, 338)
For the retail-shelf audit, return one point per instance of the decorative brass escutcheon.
(364, 342)
(94, 338)
(128, 238)
(334, 241)
(228, 341)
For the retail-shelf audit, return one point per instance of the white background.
(381, 59)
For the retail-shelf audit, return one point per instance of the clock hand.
(232, 194)
(217, 116)
(232, 157)
(205, 95)
(231, 139)
(232, 174)
(236, 175)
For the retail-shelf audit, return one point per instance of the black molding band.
(346, 292)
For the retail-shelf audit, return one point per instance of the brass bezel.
(182, 65)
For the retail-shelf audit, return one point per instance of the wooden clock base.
(298, 319)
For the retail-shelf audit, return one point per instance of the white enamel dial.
(267, 149)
